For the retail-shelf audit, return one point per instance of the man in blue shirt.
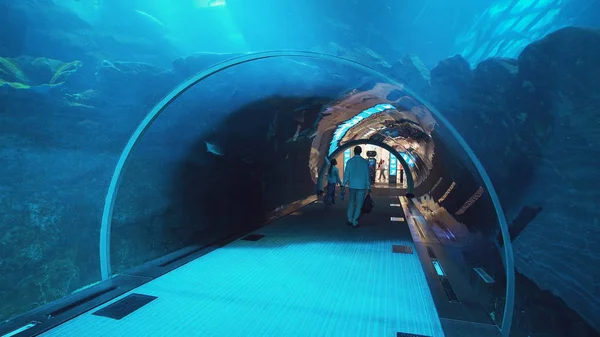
(356, 176)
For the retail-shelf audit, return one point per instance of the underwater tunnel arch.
(350, 144)
(110, 199)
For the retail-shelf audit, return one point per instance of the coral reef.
(37, 75)
(10, 72)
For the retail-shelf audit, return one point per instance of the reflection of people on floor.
(382, 176)
(356, 176)
(333, 178)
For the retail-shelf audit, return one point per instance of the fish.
(216, 3)
(214, 149)
(151, 18)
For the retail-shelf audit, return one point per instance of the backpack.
(368, 205)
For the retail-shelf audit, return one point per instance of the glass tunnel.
(166, 168)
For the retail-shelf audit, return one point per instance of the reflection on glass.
(341, 131)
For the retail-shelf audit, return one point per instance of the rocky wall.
(534, 123)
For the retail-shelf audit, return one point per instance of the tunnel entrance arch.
(347, 145)
(110, 199)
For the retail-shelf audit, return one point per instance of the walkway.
(310, 275)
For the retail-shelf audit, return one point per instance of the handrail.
(109, 202)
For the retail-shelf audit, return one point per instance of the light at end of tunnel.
(438, 268)
(396, 219)
(395, 205)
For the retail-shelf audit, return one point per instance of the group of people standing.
(356, 177)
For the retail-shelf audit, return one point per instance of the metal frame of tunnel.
(109, 203)
(410, 182)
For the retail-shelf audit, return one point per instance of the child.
(333, 178)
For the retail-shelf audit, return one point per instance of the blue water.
(518, 79)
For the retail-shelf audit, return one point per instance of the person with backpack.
(357, 177)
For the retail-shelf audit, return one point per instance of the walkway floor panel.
(310, 275)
